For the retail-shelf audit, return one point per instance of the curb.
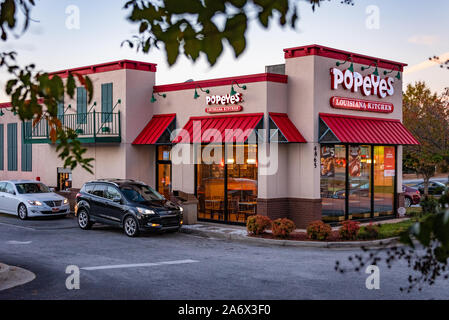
(291, 243)
(11, 277)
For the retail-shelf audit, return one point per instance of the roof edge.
(319, 50)
(259, 77)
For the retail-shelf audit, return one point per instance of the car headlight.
(35, 203)
(181, 209)
(66, 201)
(145, 211)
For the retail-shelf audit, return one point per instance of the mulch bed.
(301, 236)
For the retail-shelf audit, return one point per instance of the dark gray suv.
(128, 204)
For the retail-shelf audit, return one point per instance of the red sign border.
(360, 100)
(224, 109)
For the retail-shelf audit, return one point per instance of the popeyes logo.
(228, 103)
(368, 85)
(226, 99)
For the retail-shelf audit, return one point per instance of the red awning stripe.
(352, 129)
(198, 129)
(286, 127)
(154, 129)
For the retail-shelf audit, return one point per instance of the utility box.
(190, 205)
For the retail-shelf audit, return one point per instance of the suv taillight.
(78, 195)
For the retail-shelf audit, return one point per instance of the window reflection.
(333, 172)
(359, 182)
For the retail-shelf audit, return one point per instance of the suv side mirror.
(117, 199)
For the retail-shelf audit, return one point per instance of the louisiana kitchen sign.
(361, 105)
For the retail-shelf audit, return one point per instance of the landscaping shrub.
(349, 230)
(257, 224)
(282, 228)
(369, 232)
(429, 205)
(318, 230)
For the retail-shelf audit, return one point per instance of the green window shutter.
(2, 148)
(12, 146)
(106, 102)
(81, 105)
(27, 150)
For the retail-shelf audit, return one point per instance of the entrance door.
(163, 171)
(226, 182)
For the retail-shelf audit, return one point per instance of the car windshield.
(26, 188)
(141, 193)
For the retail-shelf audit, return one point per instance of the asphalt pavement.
(181, 266)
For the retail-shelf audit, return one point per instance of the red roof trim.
(261, 77)
(287, 127)
(5, 105)
(108, 66)
(154, 129)
(322, 51)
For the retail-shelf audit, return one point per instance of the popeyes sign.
(229, 103)
(367, 85)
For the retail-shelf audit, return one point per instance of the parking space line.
(138, 265)
(20, 227)
(19, 242)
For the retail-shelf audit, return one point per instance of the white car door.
(11, 200)
(2, 196)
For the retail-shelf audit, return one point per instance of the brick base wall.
(300, 211)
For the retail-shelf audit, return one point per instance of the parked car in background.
(412, 196)
(128, 204)
(435, 188)
(26, 198)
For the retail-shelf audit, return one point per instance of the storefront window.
(354, 199)
(384, 173)
(333, 182)
(227, 191)
(359, 182)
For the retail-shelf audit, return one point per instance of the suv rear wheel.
(83, 220)
(131, 227)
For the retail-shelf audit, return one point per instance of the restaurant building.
(317, 138)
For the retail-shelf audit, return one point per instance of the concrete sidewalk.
(239, 233)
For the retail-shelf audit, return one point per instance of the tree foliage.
(426, 116)
(35, 94)
(192, 27)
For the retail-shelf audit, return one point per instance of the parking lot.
(179, 266)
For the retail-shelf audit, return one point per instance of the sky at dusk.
(408, 31)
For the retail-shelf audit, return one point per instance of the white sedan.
(26, 198)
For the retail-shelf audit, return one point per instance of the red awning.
(286, 127)
(228, 128)
(352, 129)
(153, 131)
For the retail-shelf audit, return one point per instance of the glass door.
(241, 182)
(163, 171)
(210, 186)
(384, 177)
